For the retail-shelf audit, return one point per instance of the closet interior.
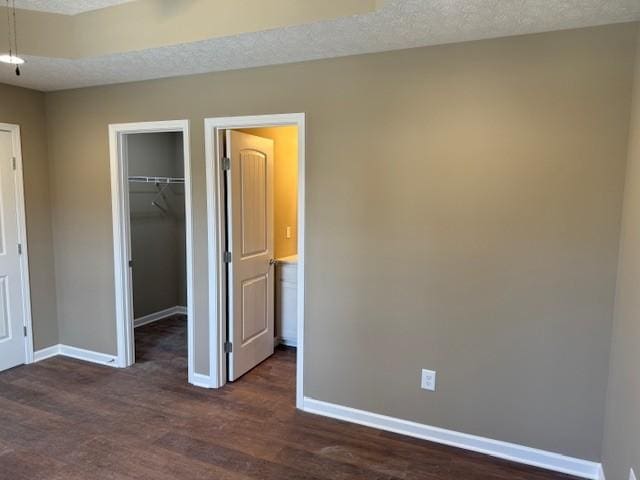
(158, 241)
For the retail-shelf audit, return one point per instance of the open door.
(250, 240)
(12, 321)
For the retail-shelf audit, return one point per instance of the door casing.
(16, 145)
(216, 225)
(122, 237)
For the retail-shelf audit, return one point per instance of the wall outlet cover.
(428, 380)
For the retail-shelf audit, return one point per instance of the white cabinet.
(287, 300)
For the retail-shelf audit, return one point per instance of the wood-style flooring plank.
(63, 419)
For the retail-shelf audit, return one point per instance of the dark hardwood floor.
(63, 419)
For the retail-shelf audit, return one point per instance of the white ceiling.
(399, 24)
(67, 7)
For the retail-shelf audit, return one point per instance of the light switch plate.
(288, 232)
(428, 380)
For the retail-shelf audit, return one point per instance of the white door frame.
(215, 221)
(122, 237)
(16, 145)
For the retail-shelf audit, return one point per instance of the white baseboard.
(202, 381)
(601, 473)
(162, 314)
(88, 355)
(289, 342)
(495, 448)
(45, 353)
(77, 353)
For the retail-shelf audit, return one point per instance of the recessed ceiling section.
(67, 7)
(148, 24)
(148, 39)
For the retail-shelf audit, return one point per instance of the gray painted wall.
(27, 109)
(463, 213)
(157, 238)
(622, 431)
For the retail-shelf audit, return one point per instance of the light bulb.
(12, 59)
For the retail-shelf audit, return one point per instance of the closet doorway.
(153, 260)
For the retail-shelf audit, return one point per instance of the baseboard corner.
(201, 381)
(45, 353)
(601, 475)
(74, 352)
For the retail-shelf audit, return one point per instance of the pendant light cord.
(11, 13)
(9, 28)
(15, 29)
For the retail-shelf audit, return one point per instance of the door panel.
(12, 342)
(250, 240)
(254, 302)
(253, 202)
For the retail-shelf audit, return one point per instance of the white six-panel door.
(250, 238)
(12, 316)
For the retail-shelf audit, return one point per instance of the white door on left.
(12, 337)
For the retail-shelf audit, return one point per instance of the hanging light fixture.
(12, 57)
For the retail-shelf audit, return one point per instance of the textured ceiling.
(66, 7)
(398, 24)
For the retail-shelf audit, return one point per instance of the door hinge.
(19, 249)
(226, 163)
(13, 162)
(228, 347)
(227, 257)
(24, 330)
(130, 263)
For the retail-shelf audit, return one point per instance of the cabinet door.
(287, 304)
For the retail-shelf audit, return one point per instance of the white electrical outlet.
(632, 475)
(428, 380)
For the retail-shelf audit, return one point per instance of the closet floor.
(63, 419)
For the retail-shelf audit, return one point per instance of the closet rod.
(142, 179)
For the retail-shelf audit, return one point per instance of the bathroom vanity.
(286, 304)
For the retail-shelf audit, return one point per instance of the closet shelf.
(164, 180)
